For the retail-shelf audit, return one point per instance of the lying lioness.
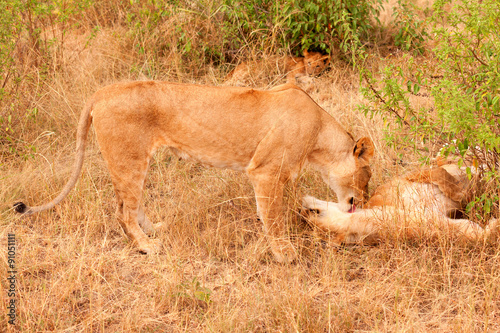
(269, 135)
(295, 68)
(421, 201)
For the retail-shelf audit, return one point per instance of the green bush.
(299, 25)
(32, 37)
(411, 32)
(463, 82)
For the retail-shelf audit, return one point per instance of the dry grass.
(77, 272)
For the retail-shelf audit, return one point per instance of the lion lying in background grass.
(296, 69)
(421, 202)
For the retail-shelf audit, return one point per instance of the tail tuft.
(20, 207)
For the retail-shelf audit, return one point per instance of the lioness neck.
(334, 144)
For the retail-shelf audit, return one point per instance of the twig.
(377, 95)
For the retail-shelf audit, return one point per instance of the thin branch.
(377, 95)
(477, 58)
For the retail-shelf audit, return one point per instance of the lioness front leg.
(269, 197)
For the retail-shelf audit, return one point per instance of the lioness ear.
(305, 53)
(364, 149)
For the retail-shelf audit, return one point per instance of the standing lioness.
(269, 135)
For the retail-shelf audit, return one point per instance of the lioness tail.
(81, 143)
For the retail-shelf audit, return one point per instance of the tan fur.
(296, 69)
(269, 135)
(421, 200)
(445, 189)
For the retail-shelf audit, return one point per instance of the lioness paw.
(283, 251)
(153, 246)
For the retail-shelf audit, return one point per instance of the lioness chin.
(269, 135)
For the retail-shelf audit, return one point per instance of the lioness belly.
(207, 159)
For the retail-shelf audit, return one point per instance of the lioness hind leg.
(144, 222)
(142, 219)
(128, 183)
(269, 197)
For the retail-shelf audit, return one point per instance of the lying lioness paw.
(419, 202)
(269, 135)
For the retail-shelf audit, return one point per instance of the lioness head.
(351, 186)
(315, 62)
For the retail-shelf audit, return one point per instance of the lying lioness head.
(293, 68)
(310, 65)
(269, 135)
